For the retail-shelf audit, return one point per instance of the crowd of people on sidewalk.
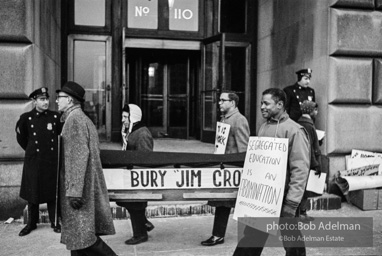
(77, 195)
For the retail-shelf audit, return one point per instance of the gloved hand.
(318, 172)
(76, 202)
(288, 211)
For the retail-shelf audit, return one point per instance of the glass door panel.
(213, 82)
(178, 78)
(88, 66)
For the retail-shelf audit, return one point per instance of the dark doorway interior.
(164, 83)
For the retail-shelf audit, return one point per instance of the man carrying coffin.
(279, 125)
(236, 143)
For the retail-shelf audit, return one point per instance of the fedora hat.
(73, 89)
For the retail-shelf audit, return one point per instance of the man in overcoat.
(236, 143)
(85, 206)
(37, 133)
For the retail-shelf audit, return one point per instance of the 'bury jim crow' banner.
(263, 179)
(172, 178)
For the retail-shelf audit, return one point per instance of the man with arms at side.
(37, 133)
(84, 198)
(236, 143)
(136, 136)
(297, 93)
(279, 125)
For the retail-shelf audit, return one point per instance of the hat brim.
(71, 94)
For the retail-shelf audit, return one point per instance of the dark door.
(163, 84)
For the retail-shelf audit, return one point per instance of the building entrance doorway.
(164, 83)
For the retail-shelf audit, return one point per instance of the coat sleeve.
(76, 157)
(242, 135)
(288, 99)
(22, 132)
(299, 161)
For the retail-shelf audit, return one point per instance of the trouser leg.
(52, 212)
(221, 221)
(99, 248)
(294, 247)
(33, 214)
(252, 243)
(138, 222)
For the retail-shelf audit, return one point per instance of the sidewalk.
(177, 236)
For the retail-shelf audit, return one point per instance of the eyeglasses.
(224, 100)
(61, 96)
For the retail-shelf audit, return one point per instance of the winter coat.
(296, 94)
(298, 155)
(315, 152)
(82, 176)
(237, 142)
(37, 134)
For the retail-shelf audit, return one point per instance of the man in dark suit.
(37, 133)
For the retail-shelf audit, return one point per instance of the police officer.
(297, 93)
(37, 133)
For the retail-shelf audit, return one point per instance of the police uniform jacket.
(237, 142)
(37, 133)
(82, 176)
(296, 94)
(298, 155)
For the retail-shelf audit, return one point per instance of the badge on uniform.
(49, 127)
(310, 98)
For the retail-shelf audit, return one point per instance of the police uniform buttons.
(46, 113)
(30, 118)
(52, 140)
(51, 149)
(34, 134)
(37, 150)
(55, 116)
(37, 114)
(32, 126)
(36, 142)
(297, 97)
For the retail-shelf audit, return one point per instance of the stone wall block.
(16, 20)
(377, 82)
(11, 205)
(10, 174)
(353, 127)
(9, 114)
(15, 70)
(350, 80)
(353, 3)
(355, 32)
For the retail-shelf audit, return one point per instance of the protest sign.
(316, 183)
(263, 180)
(172, 178)
(222, 132)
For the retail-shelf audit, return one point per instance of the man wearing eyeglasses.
(37, 133)
(85, 206)
(236, 143)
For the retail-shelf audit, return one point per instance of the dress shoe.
(213, 240)
(27, 229)
(306, 218)
(56, 229)
(149, 226)
(136, 240)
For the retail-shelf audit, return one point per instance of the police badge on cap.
(43, 91)
(304, 72)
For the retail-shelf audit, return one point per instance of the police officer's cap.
(304, 72)
(43, 91)
(73, 89)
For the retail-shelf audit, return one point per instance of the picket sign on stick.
(222, 132)
(262, 184)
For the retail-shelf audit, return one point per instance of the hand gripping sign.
(262, 183)
(222, 132)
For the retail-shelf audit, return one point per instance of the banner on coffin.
(263, 180)
(173, 178)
